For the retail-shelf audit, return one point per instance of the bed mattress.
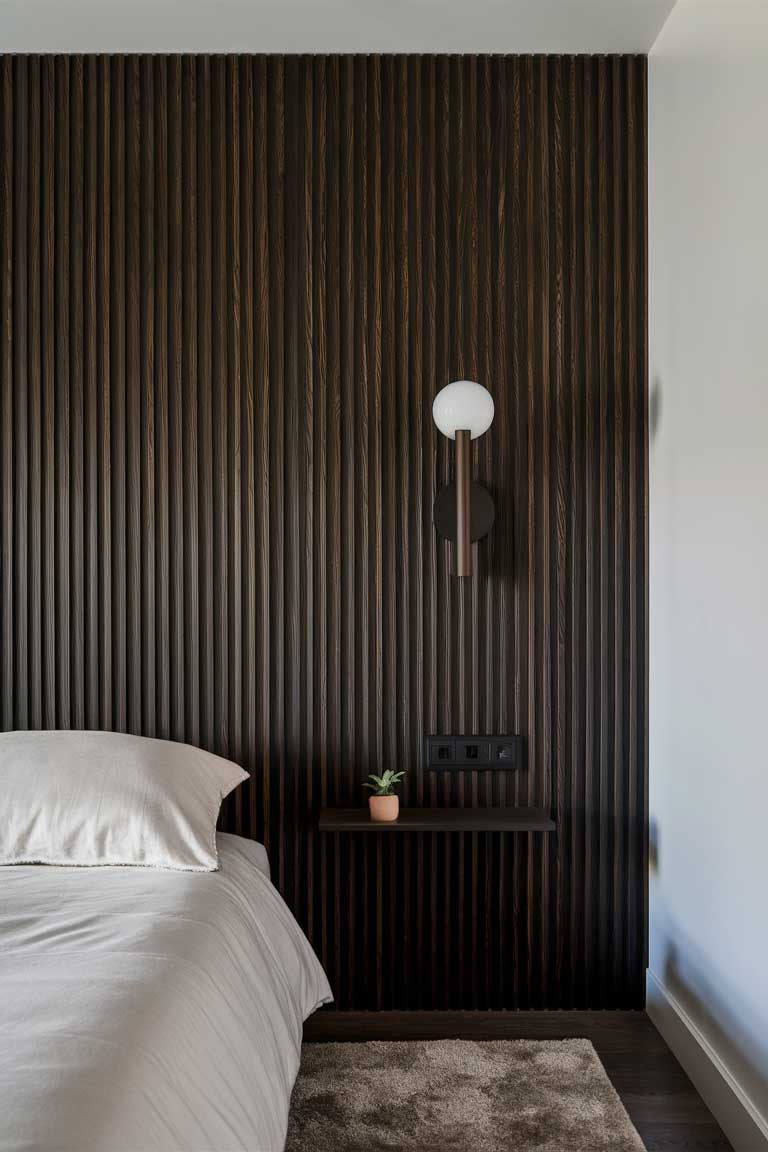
(146, 1010)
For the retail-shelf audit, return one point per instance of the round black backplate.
(482, 512)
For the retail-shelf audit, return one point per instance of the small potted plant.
(384, 803)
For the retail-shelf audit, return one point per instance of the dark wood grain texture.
(229, 290)
(662, 1103)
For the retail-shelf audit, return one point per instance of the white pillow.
(98, 798)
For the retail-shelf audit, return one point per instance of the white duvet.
(143, 1009)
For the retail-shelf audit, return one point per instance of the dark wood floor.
(665, 1108)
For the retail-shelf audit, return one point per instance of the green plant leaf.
(384, 785)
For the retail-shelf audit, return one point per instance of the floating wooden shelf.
(440, 820)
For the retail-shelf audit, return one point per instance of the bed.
(143, 1009)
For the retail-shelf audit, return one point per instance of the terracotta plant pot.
(384, 809)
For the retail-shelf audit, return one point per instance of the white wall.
(330, 25)
(708, 238)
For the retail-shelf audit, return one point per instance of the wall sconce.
(463, 511)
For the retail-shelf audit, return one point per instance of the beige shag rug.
(483, 1096)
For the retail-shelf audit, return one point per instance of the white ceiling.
(594, 26)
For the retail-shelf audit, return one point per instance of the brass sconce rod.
(463, 481)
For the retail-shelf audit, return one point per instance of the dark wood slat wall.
(229, 289)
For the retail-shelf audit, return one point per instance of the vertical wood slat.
(206, 335)
(76, 394)
(105, 527)
(188, 390)
(47, 359)
(20, 387)
(90, 395)
(35, 436)
(115, 448)
(161, 478)
(62, 335)
(176, 400)
(229, 289)
(7, 157)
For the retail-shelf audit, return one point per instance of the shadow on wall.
(654, 408)
(722, 1014)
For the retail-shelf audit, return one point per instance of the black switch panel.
(473, 753)
(505, 751)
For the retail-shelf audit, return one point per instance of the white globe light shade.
(463, 404)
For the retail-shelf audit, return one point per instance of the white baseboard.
(734, 1111)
